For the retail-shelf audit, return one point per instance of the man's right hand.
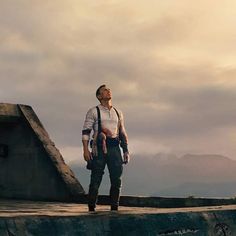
(87, 155)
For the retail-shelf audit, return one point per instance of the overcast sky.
(171, 65)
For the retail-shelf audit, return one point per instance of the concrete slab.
(28, 218)
(16, 208)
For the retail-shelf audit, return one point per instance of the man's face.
(105, 93)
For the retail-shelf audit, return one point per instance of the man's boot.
(114, 198)
(91, 208)
(114, 208)
(92, 199)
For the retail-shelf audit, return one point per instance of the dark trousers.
(113, 160)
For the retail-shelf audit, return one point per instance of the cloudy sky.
(171, 65)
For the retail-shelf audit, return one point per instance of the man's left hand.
(126, 157)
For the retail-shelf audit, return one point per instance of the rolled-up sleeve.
(88, 125)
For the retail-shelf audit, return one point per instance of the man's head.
(103, 93)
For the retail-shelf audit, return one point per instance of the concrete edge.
(179, 223)
(9, 112)
(162, 202)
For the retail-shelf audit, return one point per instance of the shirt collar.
(104, 108)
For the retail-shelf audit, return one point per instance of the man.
(108, 135)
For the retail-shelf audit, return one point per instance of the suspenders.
(99, 119)
(121, 138)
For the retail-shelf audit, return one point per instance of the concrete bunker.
(31, 167)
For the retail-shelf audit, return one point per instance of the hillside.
(169, 175)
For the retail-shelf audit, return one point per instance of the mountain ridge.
(167, 174)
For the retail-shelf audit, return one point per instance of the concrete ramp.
(31, 167)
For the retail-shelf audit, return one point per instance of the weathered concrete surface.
(34, 168)
(45, 218)
(9, 112)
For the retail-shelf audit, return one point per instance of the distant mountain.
(168, 175)
(226, 189)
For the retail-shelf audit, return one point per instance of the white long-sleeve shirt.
(109, 123)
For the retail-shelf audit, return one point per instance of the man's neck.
(107, 104)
